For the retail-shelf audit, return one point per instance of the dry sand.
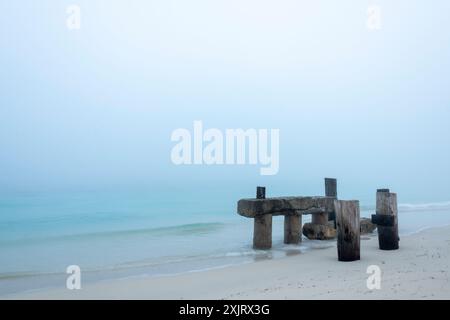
(419, 270)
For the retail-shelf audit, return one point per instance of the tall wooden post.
(260, 192)
(331, 191)
(262, 231)
(387, 206)
(330, 187)
(347, 218)
(292, 228)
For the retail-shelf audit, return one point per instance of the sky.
(96, 107)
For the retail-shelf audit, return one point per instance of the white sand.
(419, 270)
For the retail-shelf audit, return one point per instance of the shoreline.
(418, 270)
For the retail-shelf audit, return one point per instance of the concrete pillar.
(320, 218)
(292, 228)
(262, 230)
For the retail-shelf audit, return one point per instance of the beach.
(418, 270)
(225, 150)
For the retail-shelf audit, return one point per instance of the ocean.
(121, 234)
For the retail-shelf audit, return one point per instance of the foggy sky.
(96, 107)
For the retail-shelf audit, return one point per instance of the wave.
(406, 207)
(143, 264)
(432, 206)
(26, 274)
(177, 230)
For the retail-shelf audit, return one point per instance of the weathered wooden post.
(262, 231)
(331, 191)
(347, 219)
(260, 192)
(386, 218)
(292, 227)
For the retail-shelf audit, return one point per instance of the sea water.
(140, 233)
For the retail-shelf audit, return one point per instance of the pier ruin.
(328, 213)
(262, 209)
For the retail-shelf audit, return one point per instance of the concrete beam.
(251, 208)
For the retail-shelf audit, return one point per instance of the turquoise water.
(123, 234)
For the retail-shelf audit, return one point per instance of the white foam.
(424, 206)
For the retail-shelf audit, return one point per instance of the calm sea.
(118, 234)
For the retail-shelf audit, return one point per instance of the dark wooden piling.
(262, 231)
(330, 187)
(347, 220)
(388, 226)
(260, 192)
(383, 220)
(292, 228)
(331, 191)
